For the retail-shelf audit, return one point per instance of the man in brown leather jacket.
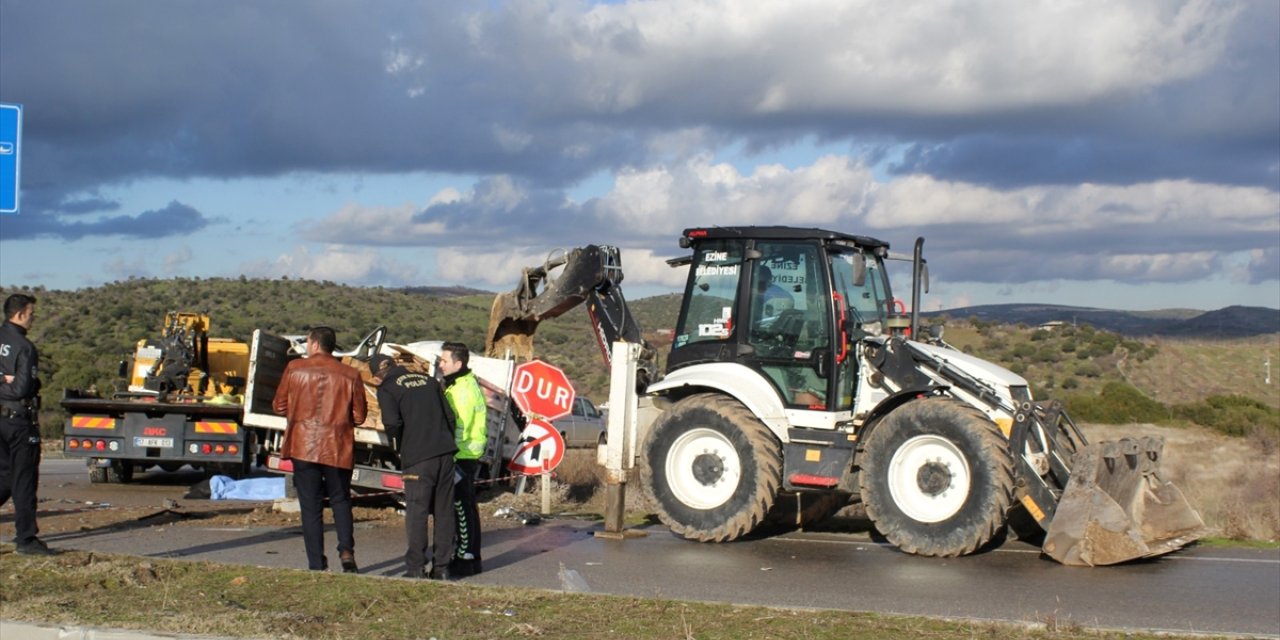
(323, 400)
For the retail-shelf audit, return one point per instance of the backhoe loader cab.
(797, 383)
(786, 304)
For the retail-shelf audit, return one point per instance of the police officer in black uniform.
(418, 419)
(19, 433)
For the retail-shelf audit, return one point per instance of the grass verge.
(125, 592)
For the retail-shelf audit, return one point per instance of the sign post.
(10, 150)
(543, 392)
(539, 451)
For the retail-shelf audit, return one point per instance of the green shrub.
(1117, 403)
(1232, 415)
(1047, 354)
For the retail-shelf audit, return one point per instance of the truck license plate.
(162, 443)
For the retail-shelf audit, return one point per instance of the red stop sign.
(542, 389)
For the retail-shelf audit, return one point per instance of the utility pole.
(1267, 366)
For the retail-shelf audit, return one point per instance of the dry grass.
(1185, 370)
(1233, 482)
(578, 490)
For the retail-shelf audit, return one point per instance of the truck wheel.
(97, 475)
(937, 478)
(120, 471)
(712, 467)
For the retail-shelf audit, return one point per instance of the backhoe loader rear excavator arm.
(590, 275)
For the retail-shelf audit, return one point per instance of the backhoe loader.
(796, 384)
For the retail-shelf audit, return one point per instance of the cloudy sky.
(1110, 153)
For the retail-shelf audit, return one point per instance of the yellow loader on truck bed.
(793, 386)
(182, 406)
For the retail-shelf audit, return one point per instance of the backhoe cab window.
(868, 304)
(708, 313)
(789, 319)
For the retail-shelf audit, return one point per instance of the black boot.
(34, 547)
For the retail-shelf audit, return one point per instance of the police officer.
(19, 433)
(417, 418)
(466, 400)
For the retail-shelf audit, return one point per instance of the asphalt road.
(1197, 590)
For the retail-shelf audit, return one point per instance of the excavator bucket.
(1116, 507)
(515, 315)
(509, 335)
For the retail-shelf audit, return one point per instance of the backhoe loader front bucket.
(1116, 507)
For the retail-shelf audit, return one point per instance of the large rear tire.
(712, 467)
(937, 478)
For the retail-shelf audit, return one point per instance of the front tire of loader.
(712, 467)
(937, 478)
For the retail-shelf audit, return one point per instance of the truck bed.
(75, 403)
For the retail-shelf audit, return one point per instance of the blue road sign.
(10, 150)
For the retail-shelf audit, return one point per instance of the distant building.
(1052, 325)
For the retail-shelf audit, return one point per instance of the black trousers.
(468, 514)
(20, 474)
(315, 482)
(428, 488)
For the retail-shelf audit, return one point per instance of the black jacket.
(18, 358)
(416, 416)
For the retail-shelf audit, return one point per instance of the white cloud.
(335, 263)
(358, 224)
(1048, 232)
(700, 192)
(121, 267)
(924, 56)
(922, 200)
(175, 259)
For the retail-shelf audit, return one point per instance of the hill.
(1229, 322)
(84, 334)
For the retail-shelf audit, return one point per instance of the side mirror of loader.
(859, 270)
